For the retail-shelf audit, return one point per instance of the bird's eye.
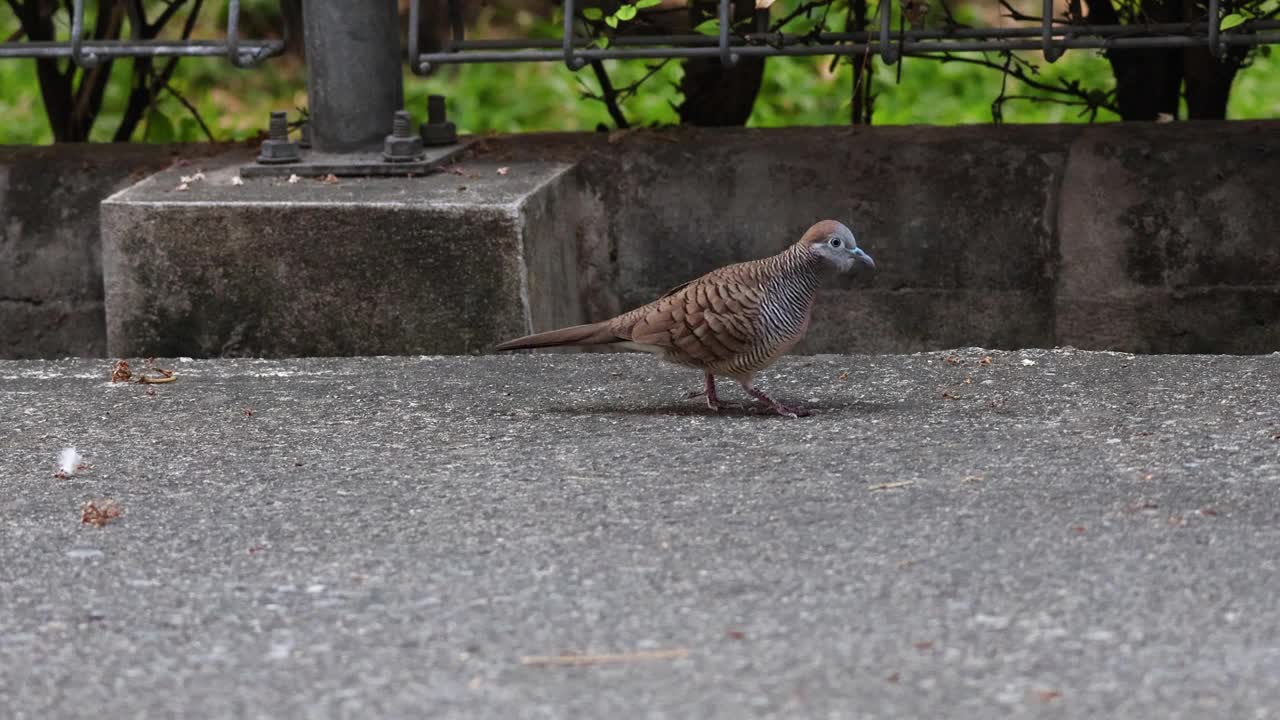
(835, 242)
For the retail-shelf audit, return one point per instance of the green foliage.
(624, 12)
(1231, 21)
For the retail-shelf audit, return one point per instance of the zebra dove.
(732, 322)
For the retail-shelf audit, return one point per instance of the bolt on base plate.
(357, 164)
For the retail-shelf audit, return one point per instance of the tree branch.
(93, 82)
(608, 95)
(1015, 14)
(148, 83)
(163, 19)
(628, 90)
(195, 112)
(1012, 68)
(804, 9)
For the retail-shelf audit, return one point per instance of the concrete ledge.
(269, 268)
(1171, 248)
(1151, 238)
(958, 221)
(51, 301)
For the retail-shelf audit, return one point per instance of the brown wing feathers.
(709, 320)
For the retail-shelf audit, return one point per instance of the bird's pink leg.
(709, 391)
(713, 402)
(784, 410)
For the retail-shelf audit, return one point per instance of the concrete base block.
(442, 264)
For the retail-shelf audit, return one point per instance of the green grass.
(547, 96)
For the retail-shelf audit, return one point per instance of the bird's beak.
(864, 257)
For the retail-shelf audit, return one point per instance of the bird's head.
(834, 245)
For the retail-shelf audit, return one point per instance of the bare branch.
(163, 18)
(804, 9)
(951, 21)
(195, 113)
(608, 96)
(1015, 14)
(147, 82)
(1014, 67)
(627, 91)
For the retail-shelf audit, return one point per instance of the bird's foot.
(709, 392)
(791, 411)
(777, 408)
(713, 401)
(718, 405)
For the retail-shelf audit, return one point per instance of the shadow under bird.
(732, 322)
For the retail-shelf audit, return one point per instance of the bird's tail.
(590, 334)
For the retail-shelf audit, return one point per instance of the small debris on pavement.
(99, 513)
(120, 372)
(571, 660)
(504, 170)
(986, 360)
(892, 485)
(294, 180)
(952, 359)
(237, 180)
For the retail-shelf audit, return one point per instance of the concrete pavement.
(1054, 534)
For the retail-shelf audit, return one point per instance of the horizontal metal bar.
(694, 40)
(913, 47)
(248, 51)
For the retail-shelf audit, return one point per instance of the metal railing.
(355, 94)
(1052, 37)
(88, 53)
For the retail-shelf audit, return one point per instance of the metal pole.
(354, 86)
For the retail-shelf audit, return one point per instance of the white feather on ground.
(68, 460)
